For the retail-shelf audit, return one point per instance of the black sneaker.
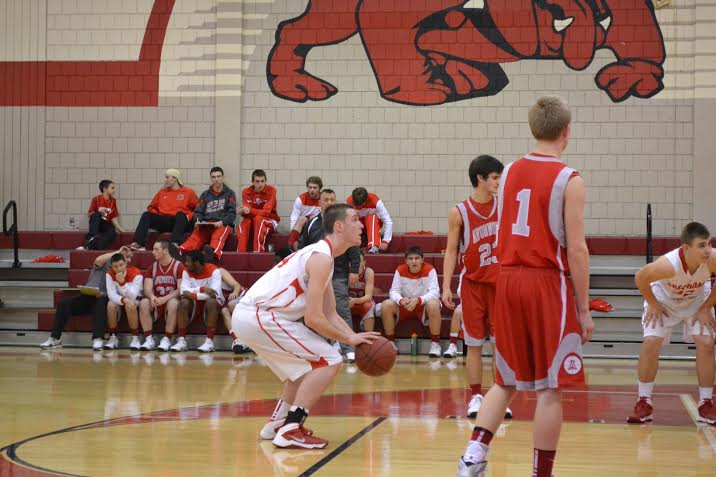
(175, 252)
(239, 348)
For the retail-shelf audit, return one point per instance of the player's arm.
(577, 252)
(661, 269)
(117, 226)
(396, 289)
(112, 294)
(433, 292)
(450, 259)
(369, 285)
(384, 216)
(105, 257)
(296, 212)
(135, 288)
(93, 207)
(704, 314)
(149, 289)
(229, 280)
(214, 289)
(189, 291)
(711, 300)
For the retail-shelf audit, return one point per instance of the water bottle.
(414, 344)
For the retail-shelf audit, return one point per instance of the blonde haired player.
(676, 290)
(268, 319)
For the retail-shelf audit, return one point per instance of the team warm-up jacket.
(198, 283)
(423, 284)
(214, 207)
(130, 289)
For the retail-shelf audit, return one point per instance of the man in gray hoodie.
(215, 215)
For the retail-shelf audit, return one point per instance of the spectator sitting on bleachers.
(414, 294)
(200, 294)
(215, 215)
(171, 210)
(361, 296)
(232, 292)
(162, 282)
(103, 218)
(374, 216)
(258, 209)
(124, 287)
(305, 208)
(95, 303)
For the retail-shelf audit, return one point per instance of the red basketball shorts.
(537, 334)
(478, 310)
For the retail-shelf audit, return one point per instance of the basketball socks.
(705, 393)
(233, 337)
(296, 415)
(210, 332)
(645, 390)
(390, 337)
(168, 335)
(478, 446)
(147, 334)
(453, 338)
(112, 330)
(135, 331)
(182, 332)
(281, 410)
(476, 389)
(435, 338)
(543, 462)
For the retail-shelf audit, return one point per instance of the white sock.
(645, 389)
(281, 410)
(705, 393)
(475, 452)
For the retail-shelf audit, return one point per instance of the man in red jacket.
(171, 210)
(258, 209)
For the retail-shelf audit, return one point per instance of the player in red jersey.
(541, 311)
(472, 226)
(162, 282)
(258, 209)
(361, 296)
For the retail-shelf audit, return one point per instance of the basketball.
(377, 358)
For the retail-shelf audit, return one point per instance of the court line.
(338, 450)
(691, 407)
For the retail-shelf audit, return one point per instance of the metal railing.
(649, 238)
(12, 230)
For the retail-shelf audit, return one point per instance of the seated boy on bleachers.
(232, 292)
(124, 287)
(414, 295)
(361, 296)
(103, 218)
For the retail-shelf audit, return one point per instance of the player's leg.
(113, 311)
(705, 368)
(218, 240)
(184, 313)
(244, 234)
(263, 230)
(130, 309)
(171, 316)
(364, 311)
(547, 427)
(212, 317)
(194, 241)
(474, 319)
(147, 322)
(388, 312)
(432, 310)
(180, 226)
(648, 366)
(455, 324)
(372, 232)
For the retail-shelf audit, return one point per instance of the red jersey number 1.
(521, 227)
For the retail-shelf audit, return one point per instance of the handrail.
(649, 238)
(12, 230)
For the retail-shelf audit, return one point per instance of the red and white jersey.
(130, 288)
(358, 290)
(282, 290)
(196, 283)
(376, 207)
(304, 206)
(165, 279)
(531, 213)
(477, 243)
(423, 285)
(683, 288)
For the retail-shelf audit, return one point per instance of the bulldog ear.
(580, 35)
(517, 23)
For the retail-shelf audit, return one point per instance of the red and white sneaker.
(707, 412)
(295, 436)
(643, 411)
(271, 428)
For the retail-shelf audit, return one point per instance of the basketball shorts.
(363, 311)
(227, 302)
(537, 333)
(478, 304)
(679, 314)
(199, 311)
(288, 347)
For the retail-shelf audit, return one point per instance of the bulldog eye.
(606, 23)
(474, 5)
(561, 25)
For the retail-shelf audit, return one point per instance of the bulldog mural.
(431, 52)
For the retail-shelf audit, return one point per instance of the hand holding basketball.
(376, 358)
(362, 338)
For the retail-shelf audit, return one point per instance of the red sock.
(543, 462)
(182, 332)
(168, 335)
(435, 338)
(210, 332)
(476, 389)
(390, 337)
(112, 330)
(233, 335)
(483, 436)
(453, 339)
(292, 237)
(135, 331)
(147, 334)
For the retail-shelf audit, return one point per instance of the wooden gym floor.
(74, 413)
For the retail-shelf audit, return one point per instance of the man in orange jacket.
(171, 210)
(258, 209)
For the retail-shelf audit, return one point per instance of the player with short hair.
(361, 296)
(162, 282)
(270, 319)
(124, 286)
(258, 209)
(306, 206)
(677, 290)
(374, 216)
(472, 227)
(200, 296)
(414, 295)
(542, 313)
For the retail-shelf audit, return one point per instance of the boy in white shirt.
(124, 287)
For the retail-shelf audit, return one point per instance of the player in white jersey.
(677, 290)
(268, 319)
